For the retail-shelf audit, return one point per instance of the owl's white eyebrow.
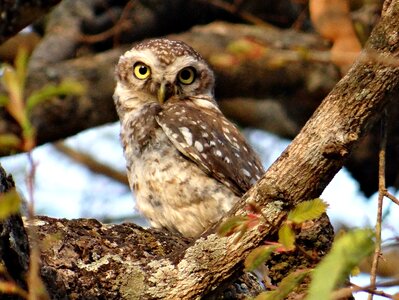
(182, 62)
(145, 56)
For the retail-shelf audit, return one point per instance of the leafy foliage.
(10, 203)
(346, 253)
(286, 237)
(258, 256)
(307, 210)
(13, 81)
(286, 286)
(233, 225)
(66, 87)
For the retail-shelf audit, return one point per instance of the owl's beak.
(165, 91)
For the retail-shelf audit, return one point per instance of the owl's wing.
(213, 143)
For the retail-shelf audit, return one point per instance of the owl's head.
(163, 70)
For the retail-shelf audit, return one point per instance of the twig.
(114, 31)
(392, 197)
(348, 291)
(233, 9)
(30, 182)
(306, 254)
(36, 287)
(91, 163)
(381, 195)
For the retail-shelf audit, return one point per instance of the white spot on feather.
(218, 153)
(199, 146)
(246, 172)
(187, 135)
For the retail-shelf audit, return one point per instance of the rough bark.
(84, 259)
(302, 172)
(14, 244)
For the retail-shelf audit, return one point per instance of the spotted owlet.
(186, 163)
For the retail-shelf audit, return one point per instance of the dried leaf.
(7, 287)
(333, 21)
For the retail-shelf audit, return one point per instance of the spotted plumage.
(187, 164)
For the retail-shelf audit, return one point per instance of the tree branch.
(16, 15)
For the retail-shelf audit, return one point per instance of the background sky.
(65, 189)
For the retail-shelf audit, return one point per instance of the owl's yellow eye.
(187, 75)
(141, 70)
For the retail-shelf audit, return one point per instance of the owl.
(186, 163)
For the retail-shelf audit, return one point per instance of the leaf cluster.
(347, 252)
(20, 107)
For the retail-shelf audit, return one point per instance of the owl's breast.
(138, 127)
(170, 189)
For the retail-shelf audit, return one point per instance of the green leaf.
(307, 210)
(286, 286)
(9, 140)
(346, 253)
(232, 225)
(10, 79)
(21, 62)
(11, 84)
(66, 87)
(4, 100)
(258, 256)
(9, 204)
(286, 237)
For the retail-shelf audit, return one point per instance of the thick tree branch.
(14, 244)
(16, 15)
